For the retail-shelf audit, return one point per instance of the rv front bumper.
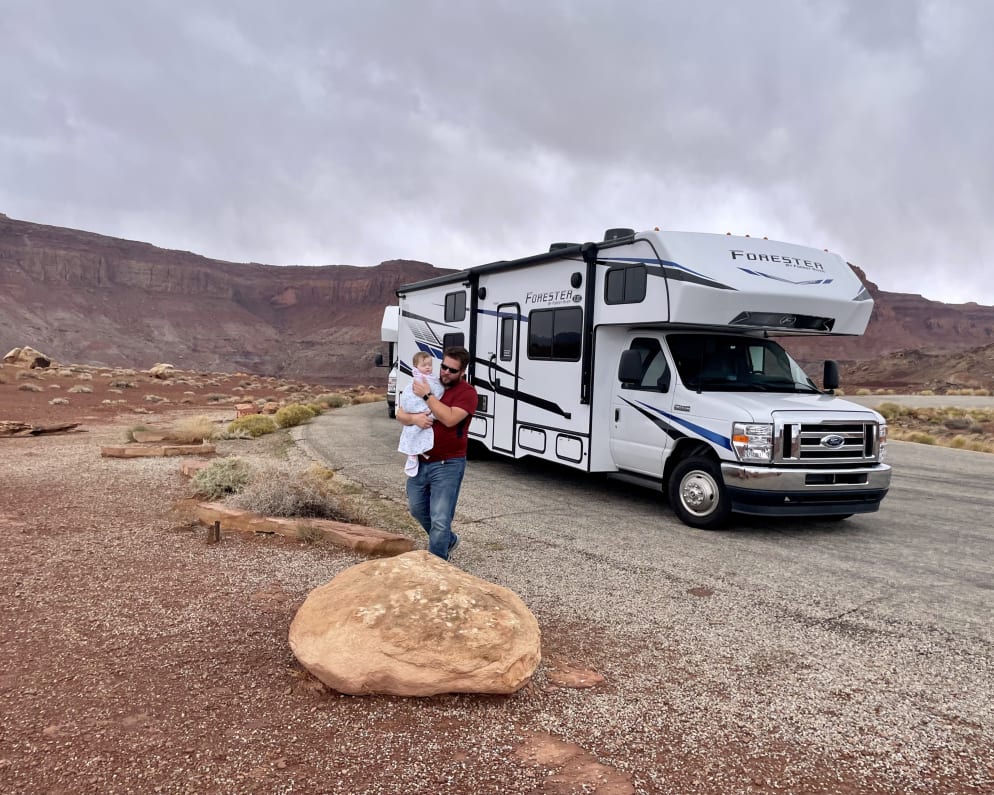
(805, 492)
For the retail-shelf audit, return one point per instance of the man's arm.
(447, 415)
(421, 419)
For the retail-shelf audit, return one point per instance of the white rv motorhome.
(650, 356)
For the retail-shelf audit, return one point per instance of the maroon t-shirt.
(451, 442)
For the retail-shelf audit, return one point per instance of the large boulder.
(414, 625)
(27, 357)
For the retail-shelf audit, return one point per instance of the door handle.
(617, 414)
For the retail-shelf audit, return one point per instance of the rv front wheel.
(697, 494)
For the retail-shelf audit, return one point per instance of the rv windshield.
(714, 362)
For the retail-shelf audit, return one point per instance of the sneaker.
(453, 545)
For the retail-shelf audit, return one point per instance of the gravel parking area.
(137, 658)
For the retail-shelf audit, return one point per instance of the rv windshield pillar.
(589, 251)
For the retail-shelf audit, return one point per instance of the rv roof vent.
(615, 234)
(557, 246)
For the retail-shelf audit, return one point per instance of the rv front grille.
(830, 442)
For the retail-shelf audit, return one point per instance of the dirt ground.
(135, 657)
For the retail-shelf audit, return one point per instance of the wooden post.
(214, 533)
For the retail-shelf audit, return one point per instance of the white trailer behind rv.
(649, 356)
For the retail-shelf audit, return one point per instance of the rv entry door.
(504, 376)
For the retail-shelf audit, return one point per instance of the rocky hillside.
(91, 299)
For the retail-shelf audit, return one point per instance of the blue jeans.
(431, 498)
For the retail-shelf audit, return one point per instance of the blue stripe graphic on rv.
(670, 270)
(781, 279)
(659, 422)
(699, 430)
(436, 353)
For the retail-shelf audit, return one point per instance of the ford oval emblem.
(833, 441)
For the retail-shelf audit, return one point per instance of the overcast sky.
(323, 132)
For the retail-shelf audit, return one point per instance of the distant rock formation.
(99, 300)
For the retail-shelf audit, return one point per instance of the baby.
(415, 440)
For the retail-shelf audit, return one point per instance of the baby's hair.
(419, 357)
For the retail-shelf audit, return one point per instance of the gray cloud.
(459, 133)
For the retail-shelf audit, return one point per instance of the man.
(433, 491)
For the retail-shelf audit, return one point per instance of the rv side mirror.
(379, 360)
(830, 377)
(630, 367)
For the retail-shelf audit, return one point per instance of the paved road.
(848, 632)
(927, 555)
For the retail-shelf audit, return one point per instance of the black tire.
(697, 493)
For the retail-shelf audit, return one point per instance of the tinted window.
(655, 370)
(457, 339)
(625, 285)
(555, 334)
(455, 307)
(506, 339)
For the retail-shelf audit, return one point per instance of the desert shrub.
(84, 377)
(316, 408)
(30, 388)
(55, 386)
(927, 392)
(863, 391)
(58, 402)
(155, 399)
(192, 430)
(368, 398)
(959, 424)
(74, 390)
(252, 424)
(123, 384)
(288, 492)
(294, 414)
(920, 437)
(891, 410)
(310, 534)
(215, 397)
(64, 372)
(223, 477)
(25, 374)
(332, 400)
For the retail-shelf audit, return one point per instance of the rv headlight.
(882, 439)
(753, 441)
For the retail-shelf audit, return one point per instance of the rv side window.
(625, 285)
(455, 307)
(506, 339)
(555, 334)
(455, 339)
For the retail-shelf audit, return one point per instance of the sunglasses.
(449, 369)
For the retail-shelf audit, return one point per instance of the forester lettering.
(554, 296)
(790, 262)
